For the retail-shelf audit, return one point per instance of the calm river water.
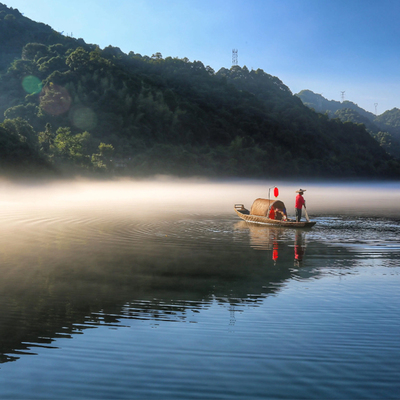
(157, 290)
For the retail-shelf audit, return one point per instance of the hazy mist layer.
(163, 194)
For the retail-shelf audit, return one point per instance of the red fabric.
(272, 213)
(299, 201)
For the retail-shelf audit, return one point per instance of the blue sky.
(327, 46)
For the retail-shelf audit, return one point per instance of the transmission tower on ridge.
(234, 57)
(343, 95)
(376, 108)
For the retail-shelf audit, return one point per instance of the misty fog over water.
(156, 289)
(353, 198)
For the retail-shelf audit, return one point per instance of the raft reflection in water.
(275, 240)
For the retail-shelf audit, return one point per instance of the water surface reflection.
(74, 261)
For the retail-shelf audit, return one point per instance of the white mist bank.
(161, 194)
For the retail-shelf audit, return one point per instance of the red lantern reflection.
(275, 251)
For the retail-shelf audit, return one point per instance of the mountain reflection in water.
(55, 284)
(73, 260)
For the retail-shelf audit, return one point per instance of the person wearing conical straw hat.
(299, 203)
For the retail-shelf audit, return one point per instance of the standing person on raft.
(299, 203)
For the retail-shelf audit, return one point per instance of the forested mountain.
(73, 107)
(330, 107)
(390, 121)
(384, 128)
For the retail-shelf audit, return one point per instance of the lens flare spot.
(55, 99)
(32, 84)
(83, 118)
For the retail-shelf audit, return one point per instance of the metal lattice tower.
(234, 57)
(376, 108)
(343, 95)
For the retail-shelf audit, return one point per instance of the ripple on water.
(357, 231)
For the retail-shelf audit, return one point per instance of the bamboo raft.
(269, 212)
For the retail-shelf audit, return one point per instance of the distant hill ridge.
(78, 109)
(385, 128)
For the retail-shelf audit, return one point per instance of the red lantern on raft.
(276, 192)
